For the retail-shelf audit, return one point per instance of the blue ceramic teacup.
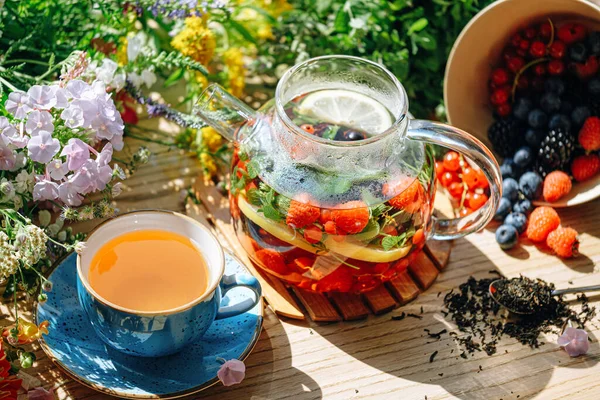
(152, 334)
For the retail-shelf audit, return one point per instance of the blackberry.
(505, 136)
(555, 151)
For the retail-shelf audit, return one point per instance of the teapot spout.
(222, 111)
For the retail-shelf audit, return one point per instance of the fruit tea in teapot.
(332, 186)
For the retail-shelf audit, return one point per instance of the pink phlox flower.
(76, 88)
(42, 97)
(45, 190)
(62, 96)
(18, 104)
(574, 341)
(77, 153)
(92, 177)
(43, 147)
(68, 194)
(57, 169)
(105, 156)
(232, 372)
(73, 116)
(7, 155)
(39, 121)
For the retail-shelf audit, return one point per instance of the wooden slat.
(403, 287)
(350, 305)
(423, 270)
(439, 252)
(380, 300)
(317, 305)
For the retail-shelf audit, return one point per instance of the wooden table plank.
(317, 305)
(404, 287)
(350, 305)
(380, 300)
(423, 270)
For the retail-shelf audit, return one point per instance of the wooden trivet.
(296, 303)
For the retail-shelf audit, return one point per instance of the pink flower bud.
(232, 372)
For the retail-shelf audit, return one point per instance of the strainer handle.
(466, 144)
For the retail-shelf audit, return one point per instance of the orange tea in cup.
(149, 270)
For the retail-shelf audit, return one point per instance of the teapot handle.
(469, 146)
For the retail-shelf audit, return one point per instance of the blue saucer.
(74, 346)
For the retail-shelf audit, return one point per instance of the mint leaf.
(270, 212)
(253, 197)
(379, 209)
(330, 132)
(283, 204)
(252, 169)
(389, 242)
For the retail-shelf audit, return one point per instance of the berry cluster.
(466, 185)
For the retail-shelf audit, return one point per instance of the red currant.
(465, 211)
(537, 49)
(516, 40)
(439, 169)
(539, 69)
(524, 45)
(571, 33)
(470, 177)
(451, 161)
(482, 181)
(515, 64)
(500, 76)
(558, 49)
(448, 178)
(456, 190)
(508, 54)
(477, 200)
(556, 67)
(530, 33)
(523, 82)
(503, 110)
(521, 52)
(546, 30)
(589, 69)
(499, 96)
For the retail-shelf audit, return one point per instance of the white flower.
(79, 247)
(119, 80)
(54, 228)
(17, 202)
(135, 79)
(107, 71)
(42, 97)
(148, 77)
(134, 46)
(116, 189)
(18, 104)
(73, 116)
(6, 128)
(39, 121)
(76, 88)
(7, 190)
(14, 137)
(20, 161)
(57, 169)
(62, 97)
(24, 182)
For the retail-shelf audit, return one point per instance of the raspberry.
(330, 228)
(351, 217)
(571, 32)
(301, 214)
(589, 135)
(542, 221)
(556, 185)
(410, 199)
(272, 260)
(564, 242)
(585, 167)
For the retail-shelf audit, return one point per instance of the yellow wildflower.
(195, 40)
(209, 165)
(265, 32)
(201, 80)
(28, 331)
(275, 7)
(211, 139)
(233, 60)
(122, 51)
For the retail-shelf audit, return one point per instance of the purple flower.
(76, 88)
(18, 104)
(45, 190)
(42, 148)
(57, 170)
(105, 155)
(42, 97)
(73, 117)
(39, 121)
(232, 372)
(68, 194)
(61, 94)
(575, 341)
(7, 156)
(11, 134)
(92, 177)
(77, 153)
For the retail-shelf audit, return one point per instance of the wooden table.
(379, 358)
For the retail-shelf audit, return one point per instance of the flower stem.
(8, 85)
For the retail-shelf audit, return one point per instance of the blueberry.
(507, 236)
(503, 209)
(537, 119)
(522, 107)
(554, 85)
(523, 156)
(524, 207)
(578, 52)
(550, 102)
(349, 135)
(508, 169)
(510, 189)
(518, 220)
(531, 185)
(566, 107)
(560, 121)
(593, 42)
(594, 86)
(580, 114)
(534, 137)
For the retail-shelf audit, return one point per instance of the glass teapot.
(332, 184)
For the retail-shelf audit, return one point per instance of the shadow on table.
(269, 370)
(403, 349)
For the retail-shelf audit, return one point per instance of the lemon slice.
(346, 248)
(348, 108)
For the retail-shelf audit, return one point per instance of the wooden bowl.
(477, 50)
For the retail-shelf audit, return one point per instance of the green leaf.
(242, 31)
(342, 21)
(379, 209)
(418, 25)
(331, 132)
(283, 204)
(390, 242)
(174, 77)
(252, 169)
(262, 12)
(271, 212)
(322, 5)
(253, 197)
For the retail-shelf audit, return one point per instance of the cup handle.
(466, 144)
(229, 282)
